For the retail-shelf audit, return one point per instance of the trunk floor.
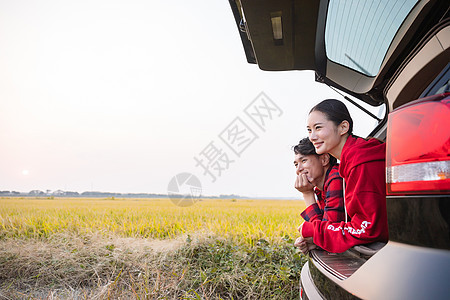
(342, 265)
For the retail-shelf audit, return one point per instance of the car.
(384, 53)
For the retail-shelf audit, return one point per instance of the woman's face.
(323, 133)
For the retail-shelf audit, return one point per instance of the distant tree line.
(94, 194)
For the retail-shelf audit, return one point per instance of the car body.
(385, 53)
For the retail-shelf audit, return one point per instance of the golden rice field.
(241, 220)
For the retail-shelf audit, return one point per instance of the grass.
(148, 249)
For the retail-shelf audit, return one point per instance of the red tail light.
(418, 144)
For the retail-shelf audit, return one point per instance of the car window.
(440, 85)
(358, 33)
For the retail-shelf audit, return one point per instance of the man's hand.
(303, 185)
(305, 244)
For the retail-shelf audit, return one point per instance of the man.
(317, 176)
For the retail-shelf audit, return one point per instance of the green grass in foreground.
(218, 250)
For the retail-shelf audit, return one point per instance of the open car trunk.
(280, 35)
(402, 55)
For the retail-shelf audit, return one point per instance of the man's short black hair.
(305, 147)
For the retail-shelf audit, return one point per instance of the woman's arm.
(366, 207)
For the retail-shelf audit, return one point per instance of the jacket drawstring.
(345, 206)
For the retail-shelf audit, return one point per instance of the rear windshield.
(358, 33)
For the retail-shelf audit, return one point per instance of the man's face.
(311, 165)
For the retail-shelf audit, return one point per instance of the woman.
(362, 166)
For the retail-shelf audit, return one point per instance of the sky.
(122, 96)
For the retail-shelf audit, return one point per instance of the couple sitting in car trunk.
(351, 196)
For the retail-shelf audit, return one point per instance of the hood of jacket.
(357, 151)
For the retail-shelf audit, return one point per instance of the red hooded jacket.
(363, 169)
